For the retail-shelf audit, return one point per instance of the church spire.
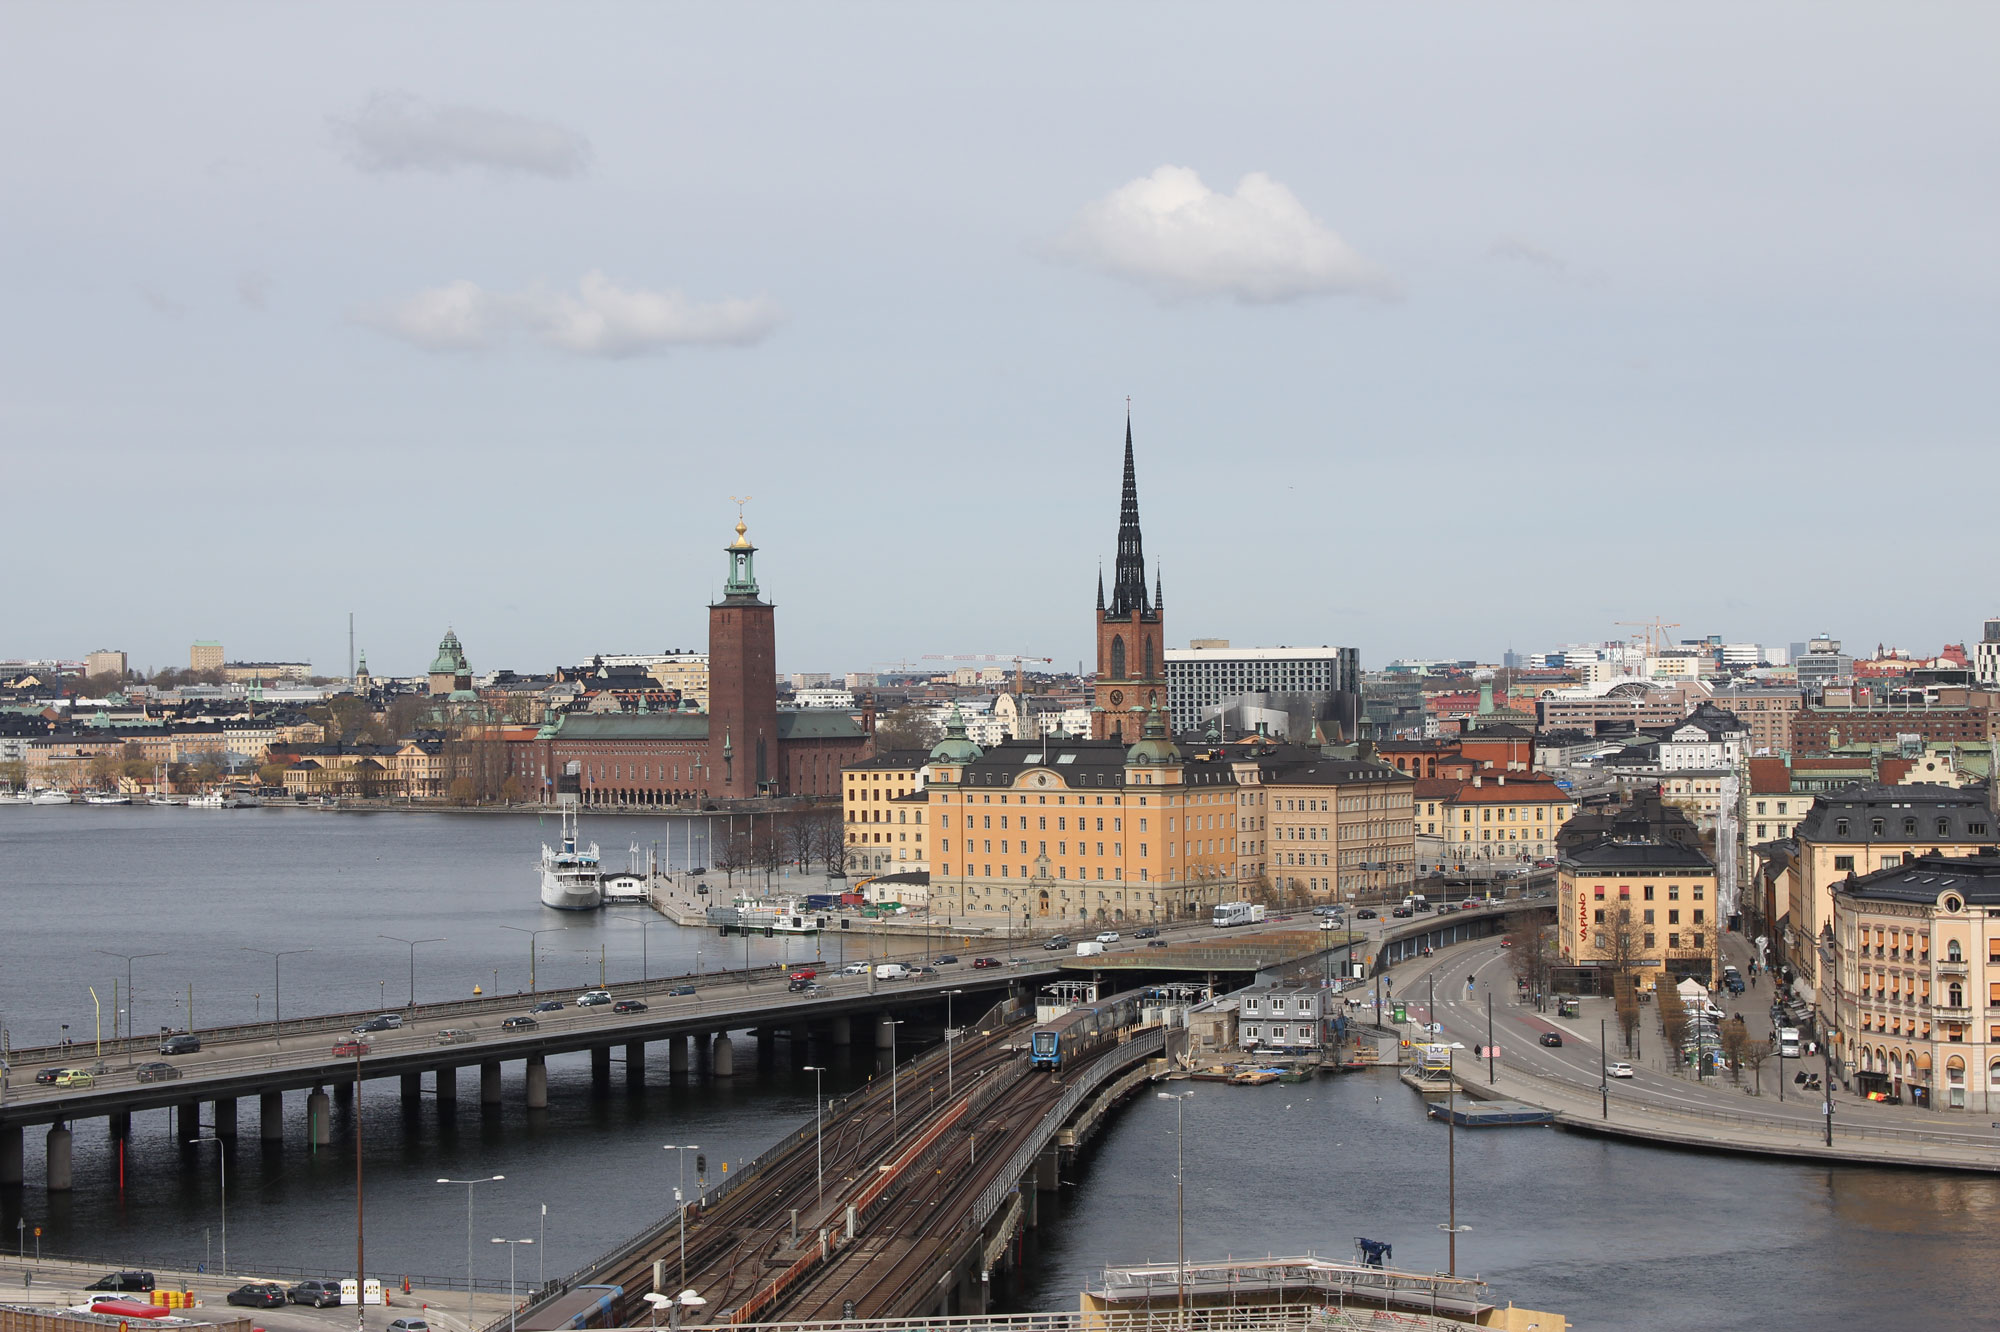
(1128, 584)
(1100, 587)
(1159, 591)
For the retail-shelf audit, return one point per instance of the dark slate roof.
(1860, 804)
(1922, 880)
(818, 724)
(1333, 772)
(903, 759)
(635, 726)
(1617, 855)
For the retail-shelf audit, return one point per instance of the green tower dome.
(1157, 746)
(956, 747)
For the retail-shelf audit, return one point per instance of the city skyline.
(487, 340)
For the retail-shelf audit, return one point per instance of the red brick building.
(1131, 632)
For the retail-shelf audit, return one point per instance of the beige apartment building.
(1337, 828)
(1508, 818)
(205, 656)
(1645, 907)
(882, 807)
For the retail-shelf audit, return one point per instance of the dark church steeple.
(1131, 644)
(1128, 584)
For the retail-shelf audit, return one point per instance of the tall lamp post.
(895, 1110)
(1829, 954)
(819, 1134)
(413, 961)
(1451, 1228)
(1180, 1213)
(513, 1303)
(131, 1008)
(470, 1184)
(680, 1199)
(277, 991)
(534, 938)
(950, 1086)
(222, 1185)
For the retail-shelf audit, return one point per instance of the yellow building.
(1339, 827)
(205, 656)
(1644, 907)
(1508, 818)
(882, 808)
(688, 673)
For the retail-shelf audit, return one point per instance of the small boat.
(212, 800)
(1295, 1073)
(15, 798)
(162, 798)
(571, 877)
(103, 799)
(1492, 1114)
(50, 798)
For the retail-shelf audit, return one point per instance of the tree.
(830, 836)
(461, 790)
(801, 840)
(100, 686)
(767, 853)
(1754, 1054)
(1673, 1015)
(908, 727)
(103, 768)
(1735, 1042)
(510, 790)
(1531, 945)
(137, 769)
(1626, 1005)
(14, 772)
(731, 856)
(272, 774)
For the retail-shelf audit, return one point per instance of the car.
(1552, 1039)
(947, 960)
(982, 963)
(1619, 1070)
(629, 1006)
(855, 969)
(156, 1072)
(257, 1295)
(1366, 913)
(518, 1022)
(49, 1074)
(1053, 945)
(1108, 936)
(810, 990)
(184, 1043)
(123, 1281)
(1148, 933)
(452, 1036)
(351, 1047)
(549, 1006)
(593, 998)
(1506, 943)
(1545, 864)
(75, 1077)
(319, 1294)
(409, 1325)
(375, 1024)
(923, 971)
(1156, 943)
(1470, 904)
(1401, 913)
(680, 990)
(804, 973)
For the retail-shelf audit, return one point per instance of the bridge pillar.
(271, 1116)
(600, 1068)
(187, 1120)
(121, 1128)
(58, 1158)
(447, 1089)
(10, 1154)
(885, 1032)
(319, 1118)
(538, 1082)
(724, 1058)
(489, 1083)
(767, 1045)
(1048, 1171)
(840, 1031)
(635, 1063)
(413, 1090)
(225, 1117)
(677, 1054)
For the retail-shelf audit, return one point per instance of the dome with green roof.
(956, 747)
(1157, 746)
(450, 657)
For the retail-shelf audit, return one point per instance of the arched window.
(1952, 952)
(1117, 656)
(1149, 658)
(1993, 1076)
(1957, 993)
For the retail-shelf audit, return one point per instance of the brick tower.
(1131, 639)
(742, 682)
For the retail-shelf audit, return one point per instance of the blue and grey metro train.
(1082, 1030)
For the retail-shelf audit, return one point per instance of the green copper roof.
(956, 747)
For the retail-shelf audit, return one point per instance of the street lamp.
(1829, 954)
(222, 1190)
(470, 1184)
(680, 1198)
(1451, 1228)
(513, 1304)
(413, 961)
(277, 990)
(949, 1086)
(1180, 1212)
(645, 949)
(131, 1008)
(534, 937)
(819, 1134)
(895, 1113)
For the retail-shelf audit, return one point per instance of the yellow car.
(75, 1077)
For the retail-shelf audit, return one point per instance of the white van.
(1788, 1042)
(1090, 948)
(891, 971)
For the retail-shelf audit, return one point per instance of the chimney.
(1502, 779)
(1475, 781)
(868, 714)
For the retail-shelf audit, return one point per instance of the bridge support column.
(489, 1083)
(725, 1057)
(225, 1117)
(767, 1045)
(120, 1123)
(1048, 1171)
(677, 1054)
(885, 1032)
(10, 1154)
(413, 1090)
(271, 1116)
(538, 1083)
(635, 1063)
(447, 1089)
(600, 1068)
(58, 1159)
(319, 1118)
(187, 1120)
(840, 1031)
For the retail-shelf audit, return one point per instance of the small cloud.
(161, 303)
(254, 290)
(599, 318)
(399, 132)
(1171, 232)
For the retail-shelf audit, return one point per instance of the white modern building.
(1203, 679)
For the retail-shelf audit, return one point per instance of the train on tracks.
(1083, 1030)
(578, 1307)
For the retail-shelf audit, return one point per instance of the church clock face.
(1117, 696)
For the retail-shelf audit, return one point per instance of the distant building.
(105, 661)
(1823, 664)
(243, 672)
(882, 804)
(1985, 654)
(1131, 677)
(1288, 1016)
(1766, 713)
(449, 673)
(1647, 908)
(1322, 684)
(205, 656)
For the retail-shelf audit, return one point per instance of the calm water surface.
(1614, 1235)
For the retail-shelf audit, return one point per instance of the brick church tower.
(1131, 639)
(742, 682)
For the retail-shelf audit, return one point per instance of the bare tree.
(103, 768)
(1754, 1054)
(908, 727)
(732, 855)
(767, 853)
(1735, 1041)
(1531, 945)
(830, 835)
(1673, 1015)
(14, 772)
(1626, 1006)
(801, 840)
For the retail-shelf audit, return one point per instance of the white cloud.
(1171, 232)
(398, 132)
(599, 318)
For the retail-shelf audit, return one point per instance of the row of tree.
(801, 840)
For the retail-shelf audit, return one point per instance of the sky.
(1445, 328)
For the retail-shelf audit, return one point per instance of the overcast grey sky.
(1445, 326)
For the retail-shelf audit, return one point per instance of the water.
(1617, 1236)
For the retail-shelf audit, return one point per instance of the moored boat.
(572, 879)
(50, 798)
(107, 798)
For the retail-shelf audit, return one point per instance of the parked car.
(319, 1294)
(452, 1036)
(48, 1075)
(75, 1077)
(1619, 1070)
(1552, 1039)
(981, 963)
(123, 1281)
(409, 1325)
(156, 1072)
(629, 1006)
(1148, 933)
(593, 998)
(518, 1022)
(549, 1006)
(184, 1043)
(349, 1048)
(375, 1024)
(257, 1295)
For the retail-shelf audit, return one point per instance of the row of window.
(1651, 941)
(1673, 916)
(1941, 827)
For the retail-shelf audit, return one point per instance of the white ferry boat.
(571, 877)
(212, 800)
(103, 799)
(50, 798)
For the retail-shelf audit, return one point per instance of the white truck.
(1090, 948)
(1788, 1042)
(891, 971)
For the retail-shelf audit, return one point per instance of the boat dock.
(1492, 1114)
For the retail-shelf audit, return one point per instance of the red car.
(804, 974)
(350, 1047)
(981, 963)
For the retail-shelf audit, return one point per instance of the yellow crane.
(1655, 632)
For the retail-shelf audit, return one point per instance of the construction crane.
(1020, 663)
(1655, 635)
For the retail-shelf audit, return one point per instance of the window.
(1650, 936)
(1840, 827)
(1649, 915)
(1843, 863)
(1954, 995)
(1953, 953)
(1674, 916)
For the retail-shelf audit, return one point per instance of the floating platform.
(1492, 1114)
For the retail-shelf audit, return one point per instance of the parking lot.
(61, 1284)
